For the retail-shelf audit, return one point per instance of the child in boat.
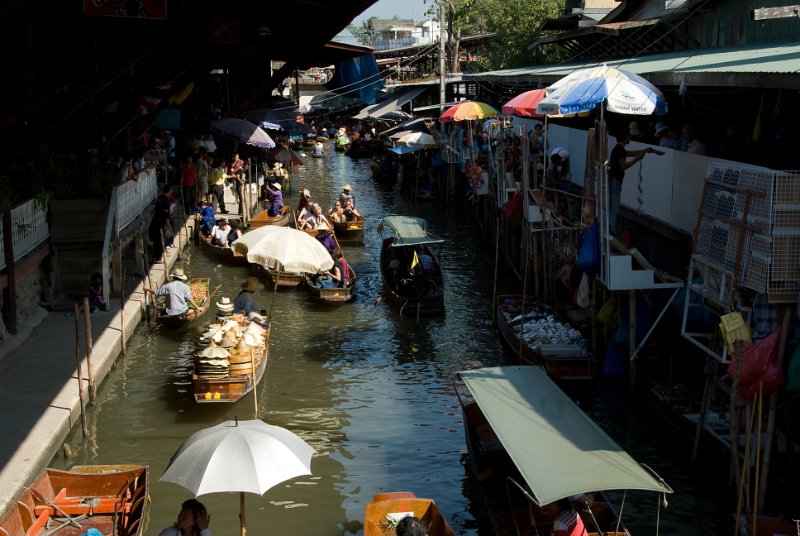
(411, 526)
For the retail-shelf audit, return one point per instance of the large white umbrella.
(284, 248)
(616, 89)
(243, 131)
(238, 456)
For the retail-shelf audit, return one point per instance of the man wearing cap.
(244, 301)
(276, 199)
(177, 292)
(345, 195)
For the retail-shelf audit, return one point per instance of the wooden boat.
(386, 509)
(352, 230)
(239, 379)
(110, 498)
(362, 148)
(263, 218)
(196, 284)
(331, 296)
(413, 294)
(566, 359)
(225, 254)
(522, 475)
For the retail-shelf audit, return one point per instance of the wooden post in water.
(78, 362)
(87, 323)
(122, 312)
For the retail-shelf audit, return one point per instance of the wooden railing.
(29, 221)
(133, 197)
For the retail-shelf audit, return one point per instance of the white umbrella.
(418, 139)
(238, 456)
(284, 248)
(617, 89)
(244, 131)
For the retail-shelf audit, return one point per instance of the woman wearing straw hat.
(244, 301)
(177, 292)
(345, 195)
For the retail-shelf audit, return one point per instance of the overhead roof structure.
(397, 99)
(773, 65)
(67, 60)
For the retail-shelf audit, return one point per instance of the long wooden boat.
(225, 254)
(196, 284)
(386, 509)
(331, 296)
(263, 218)
(110, 498)
(238, 380)
(534, 334)
(413, 294)
(350, 231)
(530, 446)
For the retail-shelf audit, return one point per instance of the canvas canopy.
(408, 231)
(558, 449)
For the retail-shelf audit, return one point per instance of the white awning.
(389, 105)
(558, 449)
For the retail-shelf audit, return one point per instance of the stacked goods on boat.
(199, 290)
(230, 358)
(545, 340)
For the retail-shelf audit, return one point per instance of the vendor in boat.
(278, 173)
(275, 195)
(346, 195)
(179, 296)
(244, 301)
(411, 526)
(319, 149)
(193, 520)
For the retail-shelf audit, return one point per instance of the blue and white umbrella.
(616, 89)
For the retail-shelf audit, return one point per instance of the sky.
(387, 9)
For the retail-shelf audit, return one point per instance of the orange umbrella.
(468, 110)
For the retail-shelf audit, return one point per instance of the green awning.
(408, 231)
(558, 449)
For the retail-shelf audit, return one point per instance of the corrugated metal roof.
(744, 66)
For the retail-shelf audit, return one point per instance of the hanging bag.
(589, 252)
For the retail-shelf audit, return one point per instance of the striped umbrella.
(524, 104)
(468, 110)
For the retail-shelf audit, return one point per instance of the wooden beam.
(783, 12)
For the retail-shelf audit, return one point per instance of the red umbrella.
(469, 110)
(524, 104)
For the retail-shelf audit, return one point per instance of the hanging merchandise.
(589, 252)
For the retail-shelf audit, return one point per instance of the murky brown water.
(371, 391)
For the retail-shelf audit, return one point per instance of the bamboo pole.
(757, 431)
(253, 372)
(80, 375)
(741, 483)
(632, 334)
(87, 322)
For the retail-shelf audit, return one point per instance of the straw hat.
(277, 186)
(306, 192)
(252, 284)
(225, 305)
(256, 316)
(229, 339)
(177, 273)
(347, 186)
(277, 165)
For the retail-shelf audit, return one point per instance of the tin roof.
(742, 66)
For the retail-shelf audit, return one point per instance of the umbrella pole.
(253, 373)
(242, 522)
(274, 293)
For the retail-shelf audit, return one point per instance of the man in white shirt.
(219, 234)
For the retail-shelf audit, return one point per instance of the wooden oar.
(215, 291)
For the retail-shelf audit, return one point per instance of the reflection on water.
(370, 390)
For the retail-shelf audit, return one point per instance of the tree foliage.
(363, 32)
(514, 24)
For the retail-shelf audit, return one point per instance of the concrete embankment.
(38, 378)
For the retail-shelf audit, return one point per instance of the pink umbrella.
(524, 104)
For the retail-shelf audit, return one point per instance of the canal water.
(370, 390)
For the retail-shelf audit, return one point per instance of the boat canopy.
(408, 231)
(558, 449)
